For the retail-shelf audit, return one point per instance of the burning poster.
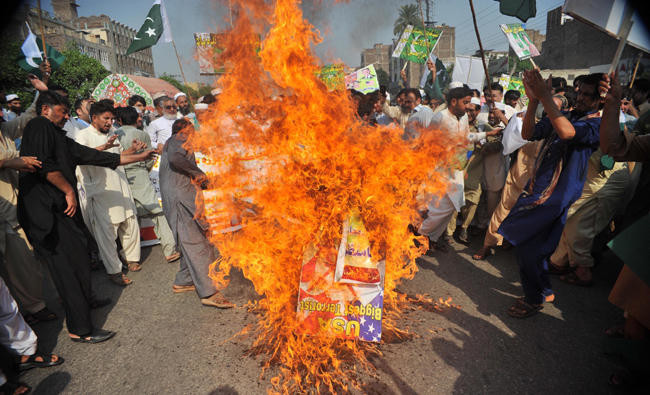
(363, 80)
(416, 44)
(332, 75)
(207, 48)
(341, 303)
(519, 41)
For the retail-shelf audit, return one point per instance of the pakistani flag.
(155, 25)
(522, 9)
(416, 43)
(33, 56)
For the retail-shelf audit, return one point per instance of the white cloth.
(73, 126)
(15, 334)
(107, 189)
(105, 234)
(439, 213)
(512, 139)
(445, 120)
(160, 130)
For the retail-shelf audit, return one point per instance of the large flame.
(292, 160)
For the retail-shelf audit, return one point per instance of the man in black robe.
(47, 210)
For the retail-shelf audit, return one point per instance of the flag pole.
(636, 67)
(40, 18)
(480, 45)
(180, 66)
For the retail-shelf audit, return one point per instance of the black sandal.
(44, 314)
(10, 388)
(45, 363)
(522, 309)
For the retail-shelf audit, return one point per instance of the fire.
(292, 160)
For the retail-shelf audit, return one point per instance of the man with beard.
(108, 205)
(14, 107)
(47, 211)
(536, 221)
(183, 104)
(161, 129)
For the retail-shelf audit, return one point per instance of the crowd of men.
(72, 198)
(555, 177)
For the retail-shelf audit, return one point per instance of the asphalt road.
(169, 344)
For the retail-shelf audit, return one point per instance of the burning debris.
(290, 161)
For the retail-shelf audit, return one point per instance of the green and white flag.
(416, 44)
(32, 56)
(155, 25)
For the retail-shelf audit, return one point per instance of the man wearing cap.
(14, 108)
(161, 129)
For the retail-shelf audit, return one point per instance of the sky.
(346, 27)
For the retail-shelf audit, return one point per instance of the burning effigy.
(320, 202)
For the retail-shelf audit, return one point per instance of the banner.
(119, 87)
(341, 309)
(469, 70)
(519, 41)
(416, 44)
(512, 83)
(333, 76)
(207, 50)
(363, 80)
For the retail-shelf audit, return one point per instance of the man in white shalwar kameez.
(440, 210)
(106, 201)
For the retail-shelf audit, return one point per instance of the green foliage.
(408, 15)
(79, 74)
(204, 90)
(383, 77)
(13, 79)
(177, 84)
(188, 90)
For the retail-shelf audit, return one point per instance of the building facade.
(98, 37)
(571, 44)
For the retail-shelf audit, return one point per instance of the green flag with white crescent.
(154, 27)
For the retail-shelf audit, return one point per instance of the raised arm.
(538, 91)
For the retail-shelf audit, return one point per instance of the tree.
(188, 90)
(13, 79)
(79, 74)
(408, 15)
(383, 77)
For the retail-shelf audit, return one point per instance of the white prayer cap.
(500, 106)
(11, 97)
(200, 106)
(216, 91)
(158, 95)
(179, 94)
(455, 84)
(475, 100)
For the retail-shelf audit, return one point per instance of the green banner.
(416, 43)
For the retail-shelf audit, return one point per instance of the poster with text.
(519, 41)
(415, 43)
(363, 80)
(207, 49)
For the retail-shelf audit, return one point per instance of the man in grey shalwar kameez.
(179, 175)
(142, 189)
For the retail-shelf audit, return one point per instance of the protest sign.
(416, 44)
(512, 83)
(208, 49)
(345, 310)
(469, 70)
(333, 76)
(519, 41)
(363, 80)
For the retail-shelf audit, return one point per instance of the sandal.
(173, 257)
(44, 314)
(558, 270)
(120, 279)
(13, 388)
(45, 362)
(573, 279)
(134, 267)
(217, 300)
(483, 253)
(522, 309)
(183, 288)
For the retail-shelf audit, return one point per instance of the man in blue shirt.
(535, 223)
